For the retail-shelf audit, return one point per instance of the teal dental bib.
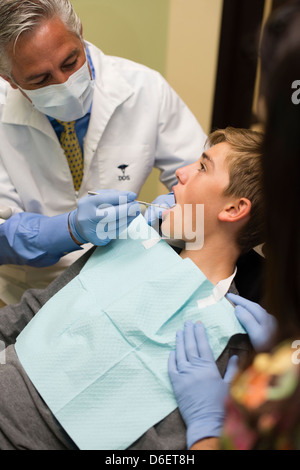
(97, 352)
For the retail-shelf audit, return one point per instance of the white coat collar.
(19, 111)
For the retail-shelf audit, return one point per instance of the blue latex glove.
(102, 218)
(258, 323)
(35, 239)
(198, 386)
(40, 241)
(153, 214)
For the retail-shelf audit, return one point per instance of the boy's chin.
(168, 232)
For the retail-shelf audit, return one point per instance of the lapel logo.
(124, 177)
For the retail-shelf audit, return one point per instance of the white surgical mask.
(67, 101)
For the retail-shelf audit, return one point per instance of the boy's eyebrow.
(208, 159)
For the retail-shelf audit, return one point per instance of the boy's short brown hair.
(246, 178)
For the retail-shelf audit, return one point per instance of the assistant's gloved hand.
(198, 386)
(258, 323)
(99, 219)
(153, 214)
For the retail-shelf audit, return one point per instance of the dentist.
(74, 120)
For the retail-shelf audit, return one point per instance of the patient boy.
(227, 182)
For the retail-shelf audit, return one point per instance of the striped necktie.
(72, 149)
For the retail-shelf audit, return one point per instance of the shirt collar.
(219, 291)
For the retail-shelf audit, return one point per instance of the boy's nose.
(182, 174)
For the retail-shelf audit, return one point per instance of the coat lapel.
(111, 90)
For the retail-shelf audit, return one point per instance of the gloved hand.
(99, 219)
(259, 324)
(198, 386)
(153, 214)
(35, 239)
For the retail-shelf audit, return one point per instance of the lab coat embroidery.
(124, 177)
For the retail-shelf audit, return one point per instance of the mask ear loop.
(14, 81)
(21, 90)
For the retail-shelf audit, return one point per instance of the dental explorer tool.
(92, 193)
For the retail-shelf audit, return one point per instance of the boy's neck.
(217, 259)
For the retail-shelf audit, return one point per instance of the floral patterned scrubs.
(263, 410)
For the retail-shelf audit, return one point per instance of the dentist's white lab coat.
(137, 122)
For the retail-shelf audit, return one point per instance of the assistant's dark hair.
(281, 168)
(281, 34)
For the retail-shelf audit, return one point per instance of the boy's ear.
(235, 210)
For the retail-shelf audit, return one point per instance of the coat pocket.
(125, 168)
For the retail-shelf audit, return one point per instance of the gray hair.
(20, 16)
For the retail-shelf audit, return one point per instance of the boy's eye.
(202, 167)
